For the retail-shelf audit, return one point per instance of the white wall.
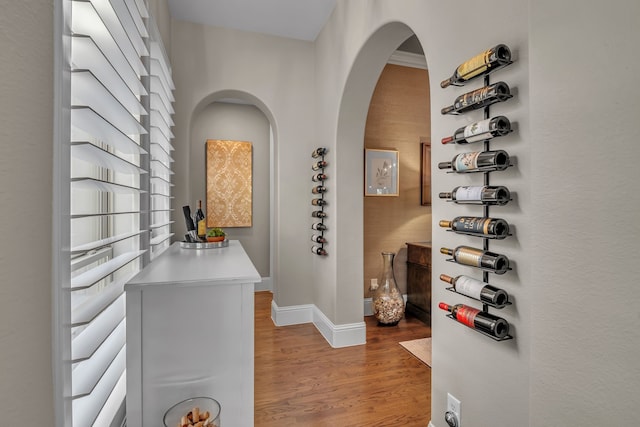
(242, 123)
(26, 132)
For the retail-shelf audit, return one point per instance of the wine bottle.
(318, 238)
(318, 250)
(474, 288)
(321, 164)
(480, 64)
(201, 224)
(484, 195)
(474, 257)
(319, 189)
(319, 177)
(319, 214)
(191, 227)
(479, 98)
(318, 202)
(477, 319)
(319, 152)
(477, 161)
(318, 226)
(495, 228)
(480, 131)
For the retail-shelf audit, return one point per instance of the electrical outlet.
(453, 405)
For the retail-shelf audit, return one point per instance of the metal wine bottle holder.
(321, 197)
(485, 207)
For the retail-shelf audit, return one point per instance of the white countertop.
(184, 267)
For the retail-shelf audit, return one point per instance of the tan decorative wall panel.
(229, 185)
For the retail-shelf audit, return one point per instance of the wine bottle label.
(473, 225)
(202, 227)
(472, 97)
(467, 315)
(469, 286)
(478, 131)
(476, 65)
(469, 193)
(466, 161)
(469, 256)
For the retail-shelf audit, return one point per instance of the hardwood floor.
(300, 380)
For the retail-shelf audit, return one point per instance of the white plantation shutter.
(119, 194)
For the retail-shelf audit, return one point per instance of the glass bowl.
(173, 416)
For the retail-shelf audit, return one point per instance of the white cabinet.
(190, 323)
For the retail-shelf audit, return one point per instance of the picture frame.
(381, 172)
(425, 172)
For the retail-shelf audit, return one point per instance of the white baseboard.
(336, 335)
(265, 285)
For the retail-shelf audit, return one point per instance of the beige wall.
(398, 118)
(26, 150)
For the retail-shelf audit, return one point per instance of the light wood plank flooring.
(300, 380)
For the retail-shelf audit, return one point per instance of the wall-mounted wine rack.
(318, 190)
(481, 98)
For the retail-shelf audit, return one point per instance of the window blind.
(119, 188)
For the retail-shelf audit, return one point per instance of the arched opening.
(354, 108)
(236, 115)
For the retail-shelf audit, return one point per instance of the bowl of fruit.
(215, 234)
(194, 412)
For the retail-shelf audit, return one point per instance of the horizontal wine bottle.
(321, 164)
(495, 228)
(480, 131)
(474, 257)
(318, 250)
(477, 161)
(478, 319)
(319, 214)
(318, 202)
(318, 226)
(474, 288)
(319, 152)
(318, 177)
(479, 98)
(318, 238)
(479, 195)
(480, 64)
(319, 189)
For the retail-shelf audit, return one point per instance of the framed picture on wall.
(425, 172)
(381, 172)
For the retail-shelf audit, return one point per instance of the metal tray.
(205, 245)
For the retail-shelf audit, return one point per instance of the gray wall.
(26, 99)
(242, 123)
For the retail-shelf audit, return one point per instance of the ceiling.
(297, 19)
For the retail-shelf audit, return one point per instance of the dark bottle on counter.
(477, 161)
(474, 288)
(318, 226)
(318, 202)
(478, 319)
(480, 131)
(479, 98)
(319, 152)
(318, 250)
(480, 64)
(319, 177)
(319, 214)
(479, 195)
(318, 239)
(319, 189)
(474, 257)
(495, 228)
(321, 164)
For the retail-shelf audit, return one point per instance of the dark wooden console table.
(419, 280)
